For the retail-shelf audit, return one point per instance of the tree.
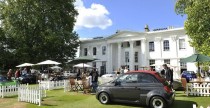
(197, 25)
(37, 30)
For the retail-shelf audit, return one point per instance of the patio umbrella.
(48, 62)
(25, 64)
(196, 58)
(82, 65)
(83, 59)
(55, 67)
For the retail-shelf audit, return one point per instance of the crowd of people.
(17, 73)
(122, 70)
(91, 77)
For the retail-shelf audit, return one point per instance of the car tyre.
(157, 102)
(104, 98)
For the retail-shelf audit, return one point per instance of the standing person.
(17, 73)
(168, 74)
(121, 70)
(125, 70)
(94, 81)
(78, 75)
(89, 80)
(118, 72)
(24, 72)
(150, 68)
(9, 74)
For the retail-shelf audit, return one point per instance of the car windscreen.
(2, 78)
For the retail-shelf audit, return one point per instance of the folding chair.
(184, 84)
(86, 86)
(73, 85)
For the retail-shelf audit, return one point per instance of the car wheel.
(104, 98)
(157, 102)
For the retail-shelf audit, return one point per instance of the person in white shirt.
(125, 70)
(24, 72)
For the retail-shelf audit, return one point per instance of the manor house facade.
(137, 50)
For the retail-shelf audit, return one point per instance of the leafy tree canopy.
(37, 30)
(197, 24)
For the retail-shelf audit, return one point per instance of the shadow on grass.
(15, 96)
(176, 104)
(48, 97)
(182, 104)
(48, 104)
(128, 104)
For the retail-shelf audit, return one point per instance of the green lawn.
(59, 99)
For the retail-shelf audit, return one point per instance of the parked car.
(188, 75)
(107, 77)
(70, 74)
(58, 78)
(141, 87)
(5, 82)
(112, 75)
(28, 78)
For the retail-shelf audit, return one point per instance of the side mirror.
(117, 83)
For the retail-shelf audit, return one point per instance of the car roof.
(143, 71)
(154, 73)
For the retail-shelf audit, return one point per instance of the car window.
(3, 78)
(147, 78)
(128, 78)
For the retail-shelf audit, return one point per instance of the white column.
(158, 47)
(131, 56)
(175, 50)
(143, 51)
(119, 55)
(90, 51)
(109, 59)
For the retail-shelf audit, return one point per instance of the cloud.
(94, 17)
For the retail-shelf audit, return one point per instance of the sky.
(104, 17)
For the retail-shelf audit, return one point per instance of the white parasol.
(25, 64)
(47, 62)
(55, 67)
(81, 65)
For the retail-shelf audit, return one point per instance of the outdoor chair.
(184, 84)
(73, 85)
(86, 86)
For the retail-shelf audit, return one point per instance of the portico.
(123, 54)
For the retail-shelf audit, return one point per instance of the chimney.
(146, 28)
(170, 27)
(117, 31)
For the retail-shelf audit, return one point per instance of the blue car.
(188, 75)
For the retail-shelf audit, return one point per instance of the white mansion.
(139, 49)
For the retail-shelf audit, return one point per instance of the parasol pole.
(199, 68)
(83, 68)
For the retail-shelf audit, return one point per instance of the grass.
(59, 99)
